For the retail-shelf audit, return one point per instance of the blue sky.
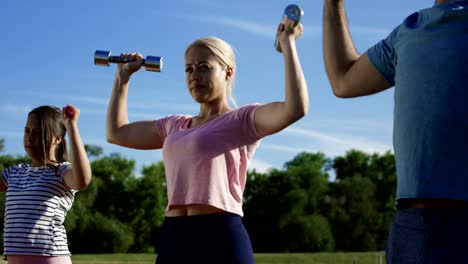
(47, 58)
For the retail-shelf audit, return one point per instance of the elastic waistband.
(216, 217)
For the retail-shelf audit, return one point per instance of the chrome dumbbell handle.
(291, 17)
(104, 58)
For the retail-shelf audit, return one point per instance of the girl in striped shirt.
(39, 195)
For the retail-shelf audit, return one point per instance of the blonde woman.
(206, 156)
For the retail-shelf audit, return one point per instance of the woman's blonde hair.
(225, 55)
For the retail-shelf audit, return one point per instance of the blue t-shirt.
(426, 59)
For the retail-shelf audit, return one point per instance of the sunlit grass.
(306, 258)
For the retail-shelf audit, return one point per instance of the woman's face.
(206, 78)
(32, 140)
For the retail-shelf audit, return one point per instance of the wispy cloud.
(140, 105)
(355, 125)
(86, 99)
(94, 141)
(330, 144)
(283, 148)
(313, 134)
(268, 30)
(15, 108)
(132, 115)
(203, 4)
(260, 166)
(342, 142)
(166, 106)
(256, 28)
(101, 101)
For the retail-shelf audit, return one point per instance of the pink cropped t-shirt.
(208, 164)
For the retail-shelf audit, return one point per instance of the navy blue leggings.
(429, 236)
(213, 238)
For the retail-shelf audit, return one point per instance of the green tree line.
(315, 203)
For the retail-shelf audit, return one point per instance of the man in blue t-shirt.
(426, 59)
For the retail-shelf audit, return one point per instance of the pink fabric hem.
(28, 259)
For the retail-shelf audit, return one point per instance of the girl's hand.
(70, 114)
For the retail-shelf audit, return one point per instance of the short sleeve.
(10, 172)
(167, 124)
(247, 115)
(63, 167)
(6, 175)
(383, 57)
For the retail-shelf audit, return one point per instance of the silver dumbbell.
(104, 58)
(291, 18)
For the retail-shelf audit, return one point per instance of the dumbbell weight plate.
(101, 58)
(293, 13)
(153, 63)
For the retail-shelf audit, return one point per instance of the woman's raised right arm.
(137, 135)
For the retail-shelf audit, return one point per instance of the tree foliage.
(300, 208)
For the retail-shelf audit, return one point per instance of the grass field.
(306, 258)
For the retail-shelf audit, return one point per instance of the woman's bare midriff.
(192, 209)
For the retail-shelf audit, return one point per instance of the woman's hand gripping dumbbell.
(291, 18)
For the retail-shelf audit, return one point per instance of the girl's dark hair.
(51, 125)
